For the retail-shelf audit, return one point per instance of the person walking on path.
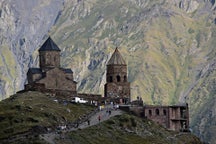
(88, 121)
(99, 118)
(109, 112)
(77, 124)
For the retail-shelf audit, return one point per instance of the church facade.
(50, 76)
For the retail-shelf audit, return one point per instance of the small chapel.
(50, 76)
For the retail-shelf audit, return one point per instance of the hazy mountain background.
(169, 46)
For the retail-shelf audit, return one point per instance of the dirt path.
(104, 115)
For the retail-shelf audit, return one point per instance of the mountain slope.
(168, 45)
(23, 26)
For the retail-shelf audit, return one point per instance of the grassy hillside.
(35, 112)
(32, 113)
(128, 129)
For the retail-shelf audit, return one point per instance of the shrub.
(133, 122)
(110, 122)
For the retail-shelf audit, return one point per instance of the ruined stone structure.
(174, 117)
(117, 86)
(50, 76)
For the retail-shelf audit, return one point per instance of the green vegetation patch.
(30, 111)
(127, 129)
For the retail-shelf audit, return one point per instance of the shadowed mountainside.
(23, 25)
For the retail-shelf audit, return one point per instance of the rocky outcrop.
(23, 26)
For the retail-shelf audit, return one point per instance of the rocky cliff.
(23, 26)
(168, 45)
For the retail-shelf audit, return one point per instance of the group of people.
(108, 111)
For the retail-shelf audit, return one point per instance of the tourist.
(99, 118)
(109, 112)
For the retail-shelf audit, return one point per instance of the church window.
(164, 112)
(110, 79)
(118, 78)
(125, 79)
(150, 112)
(42, 59)
(55, 59)
(157, 111)
(48, 59)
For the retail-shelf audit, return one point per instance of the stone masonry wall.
(56, 79)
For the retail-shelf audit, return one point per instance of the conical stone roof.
(116, 59)
(49, 45)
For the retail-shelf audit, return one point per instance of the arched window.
(55, 59)
(118, 78)
(48, 59)
(110, 79)
(164, 112)
(157, 111)
(125, 78)
(150, 112)
(42, 59)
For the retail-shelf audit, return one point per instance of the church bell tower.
(49, 55)
(117, 85)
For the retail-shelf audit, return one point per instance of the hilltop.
(25, 117)
(31, 113)
(128, 129)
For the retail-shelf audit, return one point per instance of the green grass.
(21, 112)
(127, 129)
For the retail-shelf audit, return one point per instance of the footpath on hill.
(96, 118)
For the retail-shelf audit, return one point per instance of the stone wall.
(33, 77)
(64, 94)
(57, 79)
(117, 90)
(159, 114)
(174, 118)
(116, 73)
(49, 58)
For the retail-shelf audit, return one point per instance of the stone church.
(174, 117)
(50, 76)
(117, 86)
